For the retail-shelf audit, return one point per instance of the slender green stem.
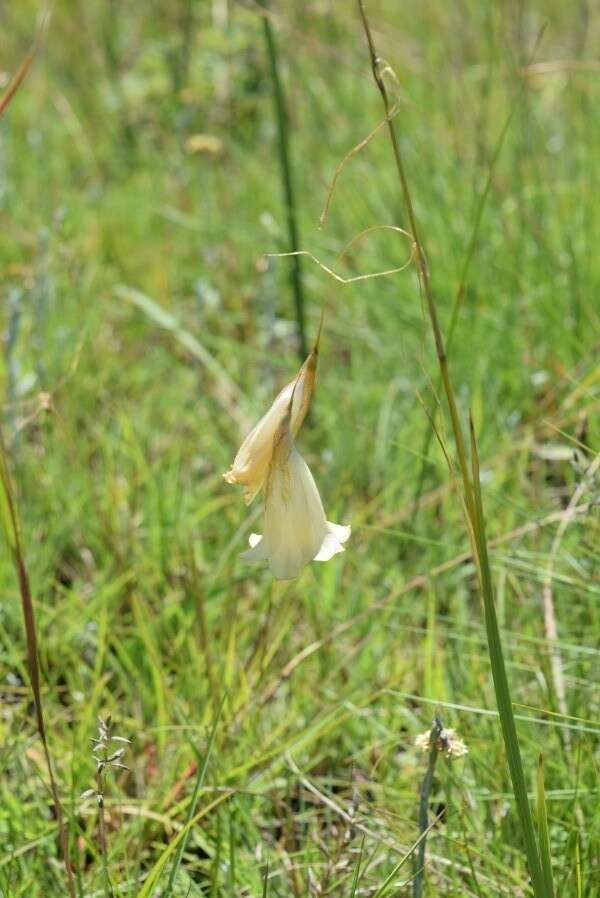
(287, 180)
(544, 835)
(108, 889)
(459, 296)
(502, 689)
(473, 508)
(424, 796)
(202, 769)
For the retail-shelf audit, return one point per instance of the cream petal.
(251, 464)
(258, 551)
(296, 529)
(340, 531)
(295, 522)
(332, 542)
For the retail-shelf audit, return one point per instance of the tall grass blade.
(502, 690)
(543, 834)
(232, 843)
(227, 393)
(265, 890)
(21, 73)
(12, 533)
(216, 864)
(356, 876)
(283, 147)
(193, 803)
(155, 873)
(386, 885)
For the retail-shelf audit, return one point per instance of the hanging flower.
(251, 464)
(296, 529)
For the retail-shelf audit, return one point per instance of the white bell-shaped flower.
(296, 529)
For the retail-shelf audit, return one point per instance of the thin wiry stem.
(459, 296)
(472, 503)
(108, 889)
(22, 71)
(376, 66)
(11, 527)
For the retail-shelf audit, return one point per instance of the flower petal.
(257, 551)
(251, 464)
(332, 542)
(296, 530)
(340, 531)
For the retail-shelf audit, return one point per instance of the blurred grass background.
(140, 155)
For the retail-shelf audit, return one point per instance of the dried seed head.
(447, 743)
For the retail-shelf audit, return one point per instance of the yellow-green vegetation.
(144, 170)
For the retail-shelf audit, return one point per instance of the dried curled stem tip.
(355, 239)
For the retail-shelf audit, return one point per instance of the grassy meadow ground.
(131, 247)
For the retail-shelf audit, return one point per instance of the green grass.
(144, 332)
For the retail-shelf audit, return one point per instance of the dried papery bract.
(251, 464)
(296, 529)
